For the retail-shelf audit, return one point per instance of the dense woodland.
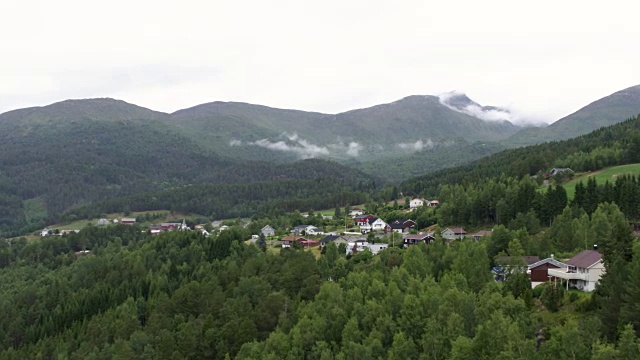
(183, 296)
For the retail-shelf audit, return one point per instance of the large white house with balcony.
(582, 271)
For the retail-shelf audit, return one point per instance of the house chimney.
(595, 247)
(551, 256)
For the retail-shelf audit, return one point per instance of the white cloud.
(418, 145)
(354, 149)
(303, 148)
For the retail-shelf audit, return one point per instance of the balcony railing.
(568, 274)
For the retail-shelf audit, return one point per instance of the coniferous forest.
(184, 296)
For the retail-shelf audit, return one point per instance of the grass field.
(35, 209)
(601, 176)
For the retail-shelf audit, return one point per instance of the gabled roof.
(292, 238)
(372, 220)
(398, 224)
(456, 230)
(551, 261)
(585, 259)
(267, 226)
(329, 238)
(301, 227)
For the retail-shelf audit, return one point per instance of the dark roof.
(302, 226)
(329, 238)
(398, 224)
(457, 230)
(585, 259)
(507, 260)
(372, 220)
(551, 261)
(417, 236)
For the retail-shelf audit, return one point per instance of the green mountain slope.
(82, 152)
(614, 145)
(253, 131)
(607, 111)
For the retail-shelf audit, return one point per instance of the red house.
(362, 220)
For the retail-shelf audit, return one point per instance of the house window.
(571, 269)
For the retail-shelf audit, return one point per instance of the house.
(539, 271)
(67, 232)
(312, 230)
(582, 272)
(416, 203)
(223, 228)
(556, 171)
(301, 229)
(477, 236)
(128, 221)
(155, 229)
(512, 264)
(289, 240)
(356, 212)
(327, 217)
(373, 224)
(103, 222)
(414, 239)
(216, 223)
(336, 239)
(268, 231)
(361, 220)
(402, 226)
(354, 247)
(167, 226)
(305, 243)
(433, 203)
(45, 232)
(453, 233)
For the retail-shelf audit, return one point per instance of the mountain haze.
(607, 111)
(248, 130)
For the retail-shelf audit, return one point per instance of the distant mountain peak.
(460, 102)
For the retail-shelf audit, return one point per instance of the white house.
(416, 203)
(356, 212)
(45, 232)
(223, 228)
(433, 203)
(268, 231)
(358, 246)
(373, 224)
(453, 233)
(312, 230)
(583, 271)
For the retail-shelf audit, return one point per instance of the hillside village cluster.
(583, 271)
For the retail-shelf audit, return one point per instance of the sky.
(542, 60)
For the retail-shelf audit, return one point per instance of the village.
(366, 232)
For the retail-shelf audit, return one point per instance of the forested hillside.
(183, 296)
(613, 145)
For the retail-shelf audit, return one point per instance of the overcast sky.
(544, 59)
